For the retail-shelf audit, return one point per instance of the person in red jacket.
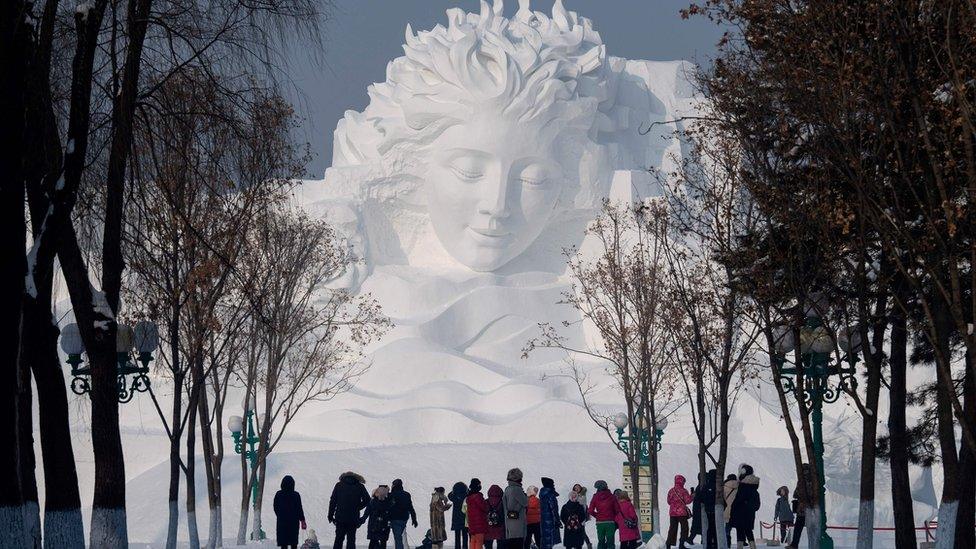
(533, 519)
(678, 500)
(627, 522)
(477, 515)
(604, 508)
(495, 517)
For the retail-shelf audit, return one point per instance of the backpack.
(494, 516)
(574, 522)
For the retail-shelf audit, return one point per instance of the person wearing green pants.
(604, 508)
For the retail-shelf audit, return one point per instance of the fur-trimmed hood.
(351, 478)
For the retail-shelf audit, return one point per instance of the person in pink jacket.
(678, 500)
(627, 522)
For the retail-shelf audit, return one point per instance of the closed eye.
(466, 174)
(534, 182)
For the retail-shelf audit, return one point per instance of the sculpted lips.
(490, 237)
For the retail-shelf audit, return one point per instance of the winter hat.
(398, 484)
(601, 485)
(475, 485)
(532, 491)
(515, 475)
(548, 482)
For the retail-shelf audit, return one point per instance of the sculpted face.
(492, 186)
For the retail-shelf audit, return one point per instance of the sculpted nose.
(494, 199)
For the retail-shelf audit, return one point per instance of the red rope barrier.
(926, 527)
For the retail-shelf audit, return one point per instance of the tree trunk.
(949, 504)
(259, 497)
(212, 470)
(63, 525)
(865, 519)
(14, 43)
(966, 519)
(723, 456)
(191, 465)
(172, 529)
(247, 480)
(28, 463)
(901, 489)
(109, 527)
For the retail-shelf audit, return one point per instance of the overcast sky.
(362, 36)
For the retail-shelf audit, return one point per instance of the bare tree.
(308, 337)
(197, 188)
(710, 210)
(621, 290)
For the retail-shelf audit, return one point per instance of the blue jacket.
(549, 507)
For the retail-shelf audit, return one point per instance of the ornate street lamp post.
(144, 338)
(815, 369)
(245, 443)
(642, 437)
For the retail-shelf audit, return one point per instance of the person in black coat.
(289, 512)
(401, 511)
(457, 496)
(349, 497)
(574, 516)
(745, 505)
(705, 503)
(377, 518)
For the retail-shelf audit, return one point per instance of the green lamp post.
(816, 369)
(245, 443)
(143, 338)
(641, 436)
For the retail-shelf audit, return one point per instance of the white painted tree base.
(12, 532)
(865, 525)
(108, 528)
(945, 536)
(173, 524)
(64, 529)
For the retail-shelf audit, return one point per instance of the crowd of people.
(532, 518)
(740, 502)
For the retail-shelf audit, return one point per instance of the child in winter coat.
(783, 512)
(312, 541)
(533, 519)
(604, 508)
(627, 522)
(678, 500)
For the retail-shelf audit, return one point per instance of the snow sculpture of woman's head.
(491, 116)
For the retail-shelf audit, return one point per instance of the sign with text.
(644, 505)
